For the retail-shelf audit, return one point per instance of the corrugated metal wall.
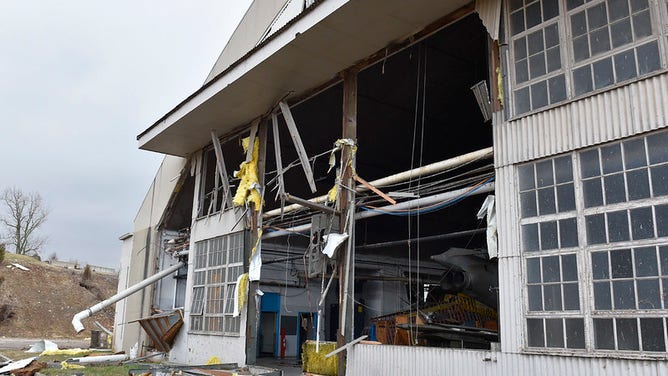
(628, 110)
(385, 360)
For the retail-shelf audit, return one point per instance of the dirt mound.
(43, 300)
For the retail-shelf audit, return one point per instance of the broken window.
(217, 264)
(590, 46)
(609, 222)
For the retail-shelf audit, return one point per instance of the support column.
(253, 310)
(347, 208)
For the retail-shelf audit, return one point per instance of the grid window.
(612, 245)
(589, 46)
(218, 262)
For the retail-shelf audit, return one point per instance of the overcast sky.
(78, 81)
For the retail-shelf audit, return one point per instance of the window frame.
(659, 19)
(205, 267)
(585, 252)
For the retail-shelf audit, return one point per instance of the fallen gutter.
(76, 320)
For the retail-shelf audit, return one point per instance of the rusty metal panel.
(377, 360)
(621, 112)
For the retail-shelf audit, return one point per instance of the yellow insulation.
(247, 191)
(331, 194)
(243, 290)
(65, 365)
(315, 362)
(70, 352)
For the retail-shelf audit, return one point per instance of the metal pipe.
(401, 177)
(420, 202)
(312, 205)
(76, 320)
(450, 235)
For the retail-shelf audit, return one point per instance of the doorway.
(270, 317)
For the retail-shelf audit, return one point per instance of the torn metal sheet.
(277, 152)
(489, 12)
(162, 328)
(17, 365)
(488, 210)
(42, 345)
(334, 240)
(222, 170)
(19, 266)
(254, 269)
(299, 146)
(252, 136)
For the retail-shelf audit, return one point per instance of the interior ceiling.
(390, 112)
(310, 56)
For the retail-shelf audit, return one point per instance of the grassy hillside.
(41, 302)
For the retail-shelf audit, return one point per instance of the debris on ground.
(42, 346)
(11, 367)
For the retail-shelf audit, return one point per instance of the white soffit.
(330, 38)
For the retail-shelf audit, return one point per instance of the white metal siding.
(628, 110)
(385, 360)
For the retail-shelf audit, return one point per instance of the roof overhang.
(310, 51)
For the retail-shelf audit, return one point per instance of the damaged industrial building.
(471, 187)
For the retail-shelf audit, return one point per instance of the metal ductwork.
(470, 272)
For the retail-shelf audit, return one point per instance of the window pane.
(589, 163)
(563, 169)
(571, 297)
(637, 5)
(546, 204)
(596, 16)
(572, 4)
(533, 15)
(618, 9)
(526, 177)
(627, 334)
(624, 295)
(595, 229)
(614, 189)
(603, 75)
(535, 42)
(557, 88)
(660, 180)
(548, 236)
(652, 331)
(551, 35)
(517, 22)
(522, 102)
(592, 192)
(663, 257)
(552, 297)
(533, 270)
(642, 25)
(634, 153)
(535, 298)
(575, 334)
(648, 58)
(520, 48)
(649, 295)
(602, 296)
(611, 158)
(566, 197)
(599, 41)
(515, 4)
(642, 226)
(569, 268)
(537, 66)
(553, 56)
(625, 65)
(581, 49)
(618, 226)
(578, 24)
(621, 33)
(539, 94)
(637, 183)
(568, 233)
(550, 9)
(646, 262)
(620, 262)
(551, 269)
(603, 334)
(582, 79)
(521, 71)
(530, 237)
(599, 262)
(535, 335)
(528, 203)
(658, 152)
(662, 219)
(554, 332)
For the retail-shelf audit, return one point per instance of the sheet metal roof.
(307, 52)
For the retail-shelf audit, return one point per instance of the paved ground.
(288, 366)
(24, 343)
